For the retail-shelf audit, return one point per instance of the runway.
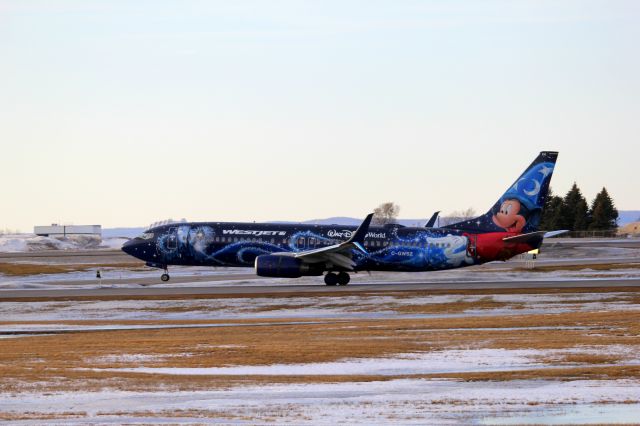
(255, 290)
(119, 280)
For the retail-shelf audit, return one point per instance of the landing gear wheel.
(331, 279)
(343, 278)
(165, 277)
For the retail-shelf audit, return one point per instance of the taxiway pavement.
(258, 290)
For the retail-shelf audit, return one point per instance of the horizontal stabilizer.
(555, 233)
(525, 238)
(532, 237)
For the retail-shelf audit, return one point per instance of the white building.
(56, 230)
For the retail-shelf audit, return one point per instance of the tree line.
(572, 212)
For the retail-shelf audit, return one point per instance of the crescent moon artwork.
(535, 190)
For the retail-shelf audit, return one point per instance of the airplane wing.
(432, 221)
(339, 254)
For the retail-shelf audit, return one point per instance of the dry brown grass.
(192, 413)
(63, 361)
(24, 269)
(33, 415)
(279, 307)
(185, 308)
(582, 358)
(485, 303)
(496, 291)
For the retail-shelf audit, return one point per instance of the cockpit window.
(147, 236)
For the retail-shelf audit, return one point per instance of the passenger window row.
(314, 242)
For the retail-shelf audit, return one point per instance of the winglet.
(433, 219)
(357, 238)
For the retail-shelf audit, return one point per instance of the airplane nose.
(128, 247)
(140, 249)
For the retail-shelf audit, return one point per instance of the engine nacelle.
(279, 266)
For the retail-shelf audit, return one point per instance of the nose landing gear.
(165, 277)
(341, 278)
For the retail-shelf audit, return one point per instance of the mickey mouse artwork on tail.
(511, 216)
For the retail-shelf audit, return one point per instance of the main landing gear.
(165, 277)
(341, 278)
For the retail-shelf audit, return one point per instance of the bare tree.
(8, 231)
(386, 213)
(458, 216)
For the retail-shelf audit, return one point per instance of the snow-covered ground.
(325, 307)
(405, 401)
(114, 243)
(16, 243)
(445, 361)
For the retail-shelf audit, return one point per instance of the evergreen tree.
(582, 220)
(575, 211)
(551, 213)
(604, 214)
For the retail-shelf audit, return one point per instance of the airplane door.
(472, 246)
(172, 240)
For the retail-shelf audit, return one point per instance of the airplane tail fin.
(432, 221)
(520, 208)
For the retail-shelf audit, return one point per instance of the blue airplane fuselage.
(391, 247)
(508, 228)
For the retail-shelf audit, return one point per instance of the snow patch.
(447, 361)
(15, 243)
(406, 401)
(113, 243)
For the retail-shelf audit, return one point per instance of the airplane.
(509, 228)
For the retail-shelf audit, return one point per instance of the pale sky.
(122, 113)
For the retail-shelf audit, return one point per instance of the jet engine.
(280, 266)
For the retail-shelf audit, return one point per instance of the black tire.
(331, 279)
(165, 277)
(343, 278)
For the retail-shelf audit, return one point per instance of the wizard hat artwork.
(520, 208)
(525, 199)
